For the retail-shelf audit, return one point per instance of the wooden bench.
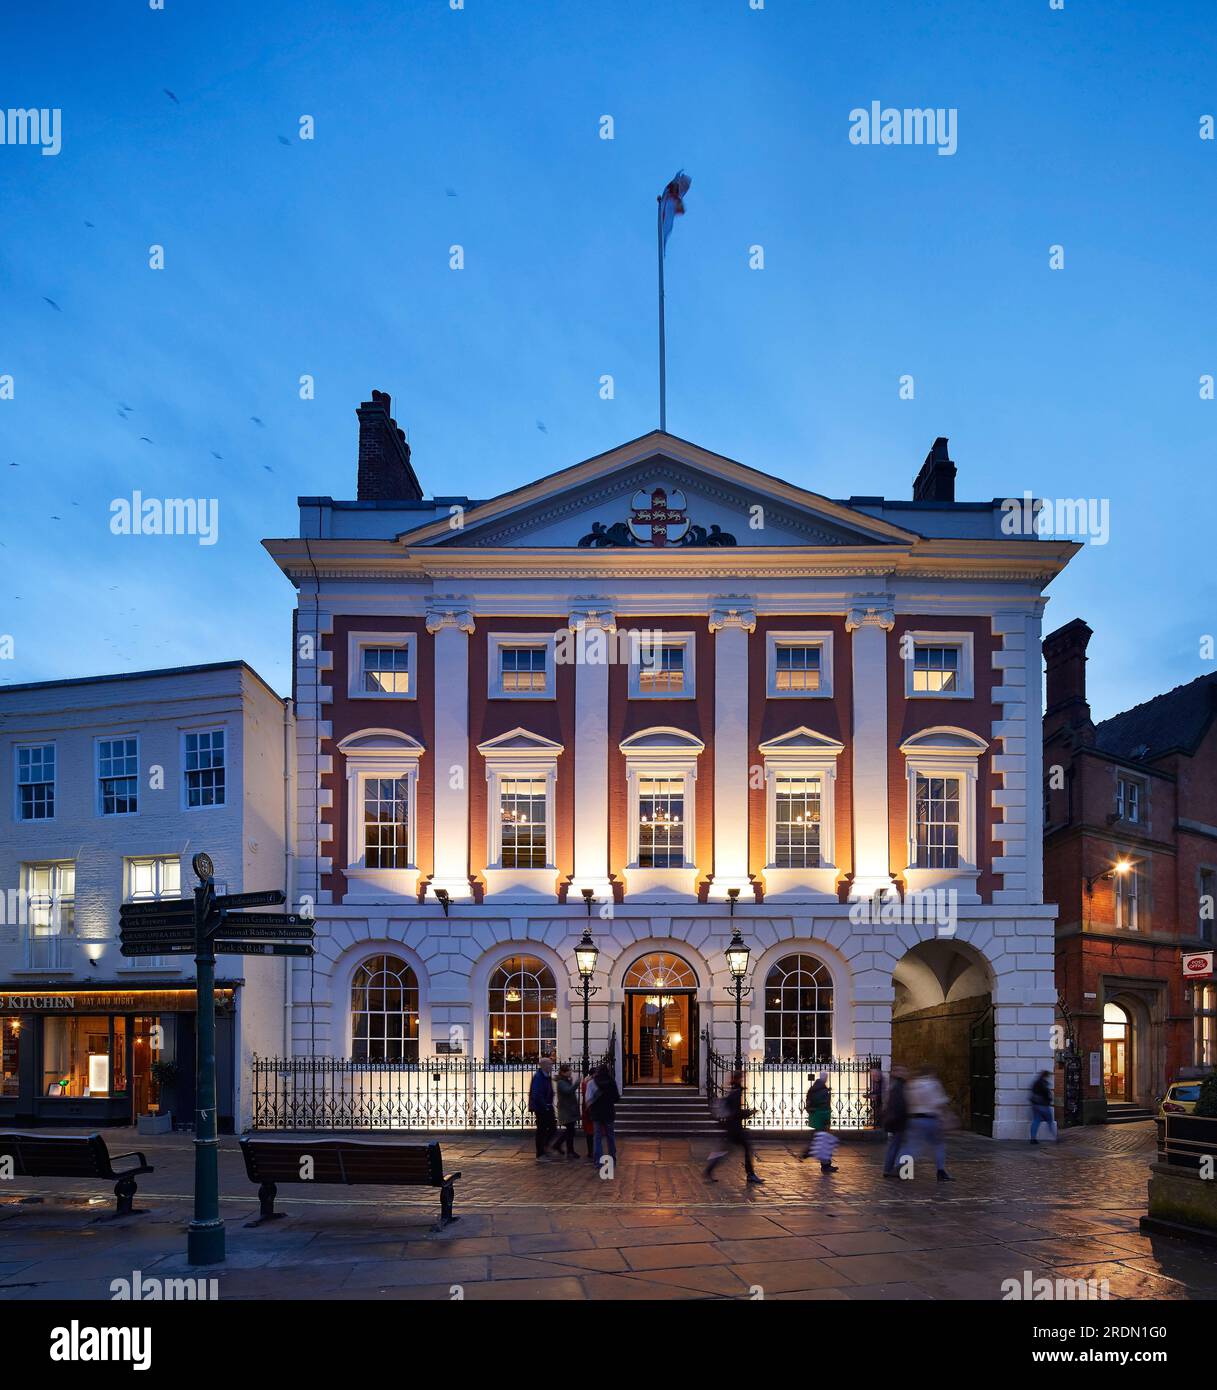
(72, 1156)
(351, 1162)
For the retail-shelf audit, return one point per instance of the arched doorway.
(942, 1017)
(1117, 1052)
(660, 1021)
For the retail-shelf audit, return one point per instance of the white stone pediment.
(519, 741)
(380, 743)
(609, 502)
(663, 739)
(944, 739)
(799, 743)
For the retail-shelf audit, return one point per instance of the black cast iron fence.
(777, 1091)
(435, 1093)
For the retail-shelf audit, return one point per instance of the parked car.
(1180, 1098)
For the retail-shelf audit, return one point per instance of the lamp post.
(737, 963)
(586, 953)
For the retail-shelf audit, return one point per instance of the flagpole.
(663, 375)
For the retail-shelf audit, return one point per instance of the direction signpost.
(207, 925)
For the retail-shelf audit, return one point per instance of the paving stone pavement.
(557, 1230)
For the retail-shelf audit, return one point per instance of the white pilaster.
(869, 622)
(731, 626)
(593, 629)
(451, 627)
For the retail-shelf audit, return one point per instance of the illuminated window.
(797, 668)
(36, 782)
(51, 895)
(386, 670)
(118, 776)
(523, 1011)
(522, 817)
(937, 665)
(1128, 898)
(937, 823)
(798, 1011)
(797, 829)
(521, 669)
(205, 768)
(1204, 1025)
(80, 1058)
(661, 822)
(386, 822)
(153, 878)
(384, 1011)
(662, 666)
(935, 669)
(10, 1057)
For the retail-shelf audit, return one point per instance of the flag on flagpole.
(671, 204)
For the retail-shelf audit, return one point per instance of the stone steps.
(664, 1111)
(1125, 1113)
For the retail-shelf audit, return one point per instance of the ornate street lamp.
(586, 953)
(737, 963)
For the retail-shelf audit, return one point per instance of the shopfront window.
(10, 1057)
(77, 1061)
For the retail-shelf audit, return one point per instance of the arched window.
(798, 1011)
(523, 1007)
(384, 1011)
(660, 970)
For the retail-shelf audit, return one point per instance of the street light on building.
(1121, 866)
(586, 954)
(737, 964)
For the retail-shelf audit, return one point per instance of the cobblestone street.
(555, 1230)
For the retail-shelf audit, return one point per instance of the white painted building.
(108, 786)
(821, 700)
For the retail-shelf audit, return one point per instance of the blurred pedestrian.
(541, 1105)
(587, 1092)
(604, 1114)
(927, 1103)
(568, 1110)
(894, 1119)
(823, 1142)
(733, 1113)
(1042, 1113)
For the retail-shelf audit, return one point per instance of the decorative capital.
(728, 615)
(592, 620)
(876, 613)
(459, 618)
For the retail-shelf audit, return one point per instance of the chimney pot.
(936, 481)
(1065, 657)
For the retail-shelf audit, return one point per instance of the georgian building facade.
(664, 695)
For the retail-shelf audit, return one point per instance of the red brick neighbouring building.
(1130, 856)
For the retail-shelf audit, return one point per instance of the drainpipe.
(289, 858)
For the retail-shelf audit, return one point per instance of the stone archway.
(942, 1017)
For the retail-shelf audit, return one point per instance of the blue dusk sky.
(1078, 128)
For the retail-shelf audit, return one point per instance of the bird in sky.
(257, 422)
(52, 303)
(171, 96)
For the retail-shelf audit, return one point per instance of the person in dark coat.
(541, 1105)
(819, 1111)
(894, 1120)
(1040, 1097)
(733, 1113)
(603, 1109)
(568, 1110)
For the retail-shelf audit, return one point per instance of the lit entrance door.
(1115, 1054)
(660, 1022)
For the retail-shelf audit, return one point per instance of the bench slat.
(349, 1162)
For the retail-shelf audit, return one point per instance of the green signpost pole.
(205, 1237)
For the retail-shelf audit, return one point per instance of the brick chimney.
(936, 481)
(385, 474)
(1065, 655)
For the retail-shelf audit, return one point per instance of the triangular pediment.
(696, 498)
(799, 743)
(519, 741)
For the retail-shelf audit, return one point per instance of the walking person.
(895, 1118)
(1040, 1097)
(541, 1105)
(604, 1114)
(569, 1111)
(587, 1093)
(927, 1106)
(734, 1112)
(823, 1142)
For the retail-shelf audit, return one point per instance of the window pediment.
(380, 743)
(944, 741)
(801, 743)
(660, 741)
(517, 743)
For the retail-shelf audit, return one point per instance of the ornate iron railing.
(436, 1093)
(777, 1091)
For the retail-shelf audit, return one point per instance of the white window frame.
(379, 753)
(58, 898)
(661, 638)
(1138, 880)
(672, 753)
(215, 805)
(520, 753)
(802, 753)
(966, 643)
(774, 640)
(944, 751)
(159, 964)
(99, 800)
(357, 641)
(496, 642)
(1141, 788)
(18, 784)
